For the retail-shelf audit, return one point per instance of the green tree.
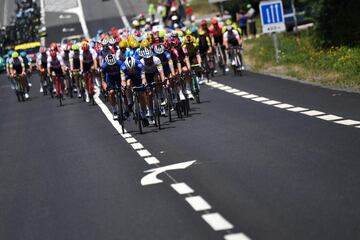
(337, 22)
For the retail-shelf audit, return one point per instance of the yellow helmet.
(180, 33)
(145, 43)
(188, 39)
(123, 44)
(134, 44)
(228, 22)
(188, 31)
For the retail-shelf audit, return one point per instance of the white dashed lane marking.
(152, 160)
(198, 203)
(217, 222)
(182, 188)
(236, 236)
(289, 107)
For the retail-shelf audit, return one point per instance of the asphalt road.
(66, 172)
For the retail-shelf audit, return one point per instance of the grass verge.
(337, 67)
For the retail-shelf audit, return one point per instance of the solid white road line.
(217, 222)
(122, 14)
(236, 236)
(198, 203)
(182, 188)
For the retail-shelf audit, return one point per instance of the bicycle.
(69, 80)
(156, 101)
(235, 59)
(195, 87)
(220, 58)
(43, 81)
(137, 107)
(118, 97)
(20, 87)
(88, 79)
(59, 87)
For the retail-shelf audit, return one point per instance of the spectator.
(241, 18)
(251, 20)
(189, 11)
(152, 11)
(161, 11)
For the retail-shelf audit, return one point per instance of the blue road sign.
(272, 16)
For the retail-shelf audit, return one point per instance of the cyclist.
(231, 38)
(56, 66)
(28, 68)
(133, 75)
(194, 58)
(65, 54)
(205, 50)
(16, 68)
(153, 72)
(41, 65)
(74, 59)
(111, 69)
(121, 52)
(88, 64)
(8, 73)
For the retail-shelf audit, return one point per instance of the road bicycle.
(88, 79)
(196, 70)
(119, 101)
(20, 87)
(220, 58)
(59, 87)
(235, 59)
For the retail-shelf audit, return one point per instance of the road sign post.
(272, 20)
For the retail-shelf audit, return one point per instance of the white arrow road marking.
(151, 178)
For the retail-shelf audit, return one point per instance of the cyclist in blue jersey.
(111, 68)
(133, 75)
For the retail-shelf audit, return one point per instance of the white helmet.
(147, 53)
(174, 18)
(112, 41)
(104, 42)
(159, 49)
(130, 63)
(110, 59)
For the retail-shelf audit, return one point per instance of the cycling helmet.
(42, 50)
(159, 49)
(134, 44)
(204, 23)
(123, 44)
(110, 59)
(75, 47)
(68, 46)
(214, 21)
(145, 43)
(104, 42)
(180, 33)
(10, 53)
(188, 39)
(162, 33)
(15, 55)
(147, 53)
(53, 46)
(112, 41)
(173, 9)
(52, 53)
(194, 29)
(228, 22)
(85, 47)
(130, 63)
(135, 23)
(23, 54)
(174, 18)
(201, 32)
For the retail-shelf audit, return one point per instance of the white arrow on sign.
(272, 13)
(151, 178)
(277, 12)
(268, 15)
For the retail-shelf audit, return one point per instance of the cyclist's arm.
(187, 60)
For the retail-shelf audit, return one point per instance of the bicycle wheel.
(157, 110)
(169, 103)
(137, 115)
(121, 111)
